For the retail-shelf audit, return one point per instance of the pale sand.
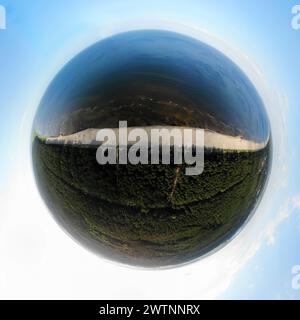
(211, 139)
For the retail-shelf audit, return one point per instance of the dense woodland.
(154, 214)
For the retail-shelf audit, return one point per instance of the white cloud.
(296, 202)
(283, 214)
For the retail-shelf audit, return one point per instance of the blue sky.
(40, 37)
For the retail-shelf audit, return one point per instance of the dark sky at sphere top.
(152, 77)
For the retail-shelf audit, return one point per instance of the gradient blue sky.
(41, 36)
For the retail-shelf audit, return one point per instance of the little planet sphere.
(151, 214)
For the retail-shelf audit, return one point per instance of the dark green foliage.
(149, 214)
